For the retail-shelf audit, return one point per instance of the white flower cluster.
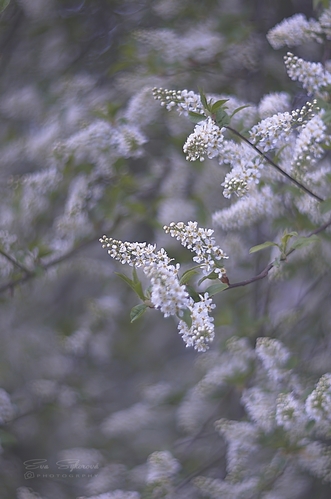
(233, 365)
(167, 294)
(183, 101)
(161, 466)
(206, 140)
(272, 132)
(246, 165)
(312, 75)
(290, 413)
(248, 210)
(294, 31)
(325, 22)
(308, 146)
(199, 44)
(100, 143)
(274, 357)
(201, 332)
(318, 403)
(128, 421)
(273, 103)
(260, 405)
(201, 242)
(276, 131)
(242, 440)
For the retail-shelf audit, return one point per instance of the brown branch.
(15, 262)
(267, 269)
(36, 272)
(272, 163)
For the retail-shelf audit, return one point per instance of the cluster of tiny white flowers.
(199, 44)
(246, 165)
(260, 406)
(206, 140)
(128, 421)
(308, 143)
(161, 466)
(318, 403)
(325, 22)
(133, 254)
(141, 109)
(272, 132)
(315, 457)
(167, 294)
(201, 242)
(242, 440)
(248, 210)
(236, 362)
(183, 101)
(275, 102)
(274, 357)
(294, 31)
(312, 75)
(101, 142)
(202, 330)
(235, 183)
(290, 413)
(36, 188)
(275, 131)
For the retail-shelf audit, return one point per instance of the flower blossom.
(199, 241)
(312, 75)
(294, 31)
(183, 101)
(206, 140)
(201, 331)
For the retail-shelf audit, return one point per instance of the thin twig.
(15, 262)
(34, 273)
(267, 269)
(272, 163)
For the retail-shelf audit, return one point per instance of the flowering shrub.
(99, 397)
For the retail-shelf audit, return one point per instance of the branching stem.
(272, 163)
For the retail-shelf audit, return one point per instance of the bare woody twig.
(272, 163)
(267, 269)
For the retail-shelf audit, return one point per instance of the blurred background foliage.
(69, 357)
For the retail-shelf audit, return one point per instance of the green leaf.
(221, 117)
(185, 316)
(137, 311)
(301, 242)
(137, 284)
(239, 109)
(325, 206)
(196, 117)
(125, 279)
(263, 246)
(217, 104)
(188, 274)
(216, 288)
(203, 99)
(212, 276)
(4, 4)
